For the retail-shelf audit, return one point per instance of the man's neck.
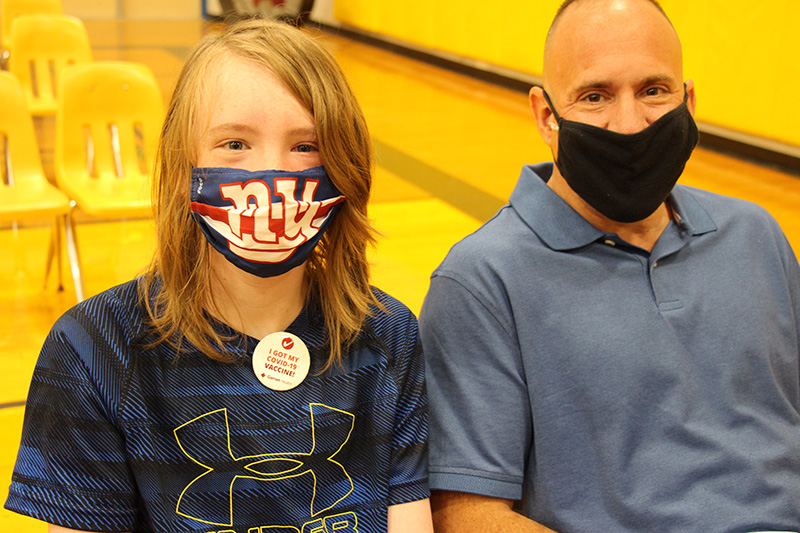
(643, 233)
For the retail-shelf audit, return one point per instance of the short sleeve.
(71, 468)
(409, 442)
(480, 429)
(793, 274)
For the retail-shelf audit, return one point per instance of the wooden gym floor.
(449, 150)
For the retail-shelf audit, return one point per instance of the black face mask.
(625, 177)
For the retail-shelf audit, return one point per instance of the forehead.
(239, 90)
(229, 77)
(611, 42)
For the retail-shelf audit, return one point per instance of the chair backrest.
(20, 160)
(11, 9)
(40, 47)
(108, 121)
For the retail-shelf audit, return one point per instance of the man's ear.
(692, 102)
(545, 119)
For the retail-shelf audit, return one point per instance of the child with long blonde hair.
(252, 380)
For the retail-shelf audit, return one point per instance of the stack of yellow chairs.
(40, 46)
(25, 193)
(108, 117)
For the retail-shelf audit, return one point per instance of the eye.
(657, 92)
(306, 148)
(594, 98)
(235, 146)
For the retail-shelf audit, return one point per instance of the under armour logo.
(208, 444)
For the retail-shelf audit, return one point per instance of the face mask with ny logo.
(265, 222)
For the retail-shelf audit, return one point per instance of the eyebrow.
(246, 128)
(232, 126)
(303, 131)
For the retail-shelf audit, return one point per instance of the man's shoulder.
(719, 204)
(739, 226)
(727, 212)
(499, 236)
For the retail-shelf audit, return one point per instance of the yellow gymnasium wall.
(744, 55)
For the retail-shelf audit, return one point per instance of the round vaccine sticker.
(281, 361)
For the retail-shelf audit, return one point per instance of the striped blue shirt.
(121, 435)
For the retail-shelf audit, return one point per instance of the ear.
(545, 120)
(691, 104)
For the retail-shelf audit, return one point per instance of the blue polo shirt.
(607, 388)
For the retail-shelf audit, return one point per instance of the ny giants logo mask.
(266, 222)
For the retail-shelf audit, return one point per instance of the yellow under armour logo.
(208, 443)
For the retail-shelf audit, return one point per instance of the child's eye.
(306, 148)
(235, 145)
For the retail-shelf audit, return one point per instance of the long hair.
(176, 288)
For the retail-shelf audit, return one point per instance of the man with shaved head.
(614, 352)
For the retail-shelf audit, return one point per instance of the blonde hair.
(176, 288)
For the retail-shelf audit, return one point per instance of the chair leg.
(59, 230)
(54, 253)
(72, 253)
(50, 253)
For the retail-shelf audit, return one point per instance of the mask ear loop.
(553, 125)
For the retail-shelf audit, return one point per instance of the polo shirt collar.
(691, 215)
(561, 227)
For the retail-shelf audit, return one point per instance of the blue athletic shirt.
(120, 435)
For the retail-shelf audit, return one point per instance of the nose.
(274, 160)
(628, 116)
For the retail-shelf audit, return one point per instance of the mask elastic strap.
(553, 109)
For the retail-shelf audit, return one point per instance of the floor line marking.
(453, 191)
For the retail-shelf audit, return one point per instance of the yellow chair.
(25, 193)
(40, 47)
(107, 126)
(11, 9)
